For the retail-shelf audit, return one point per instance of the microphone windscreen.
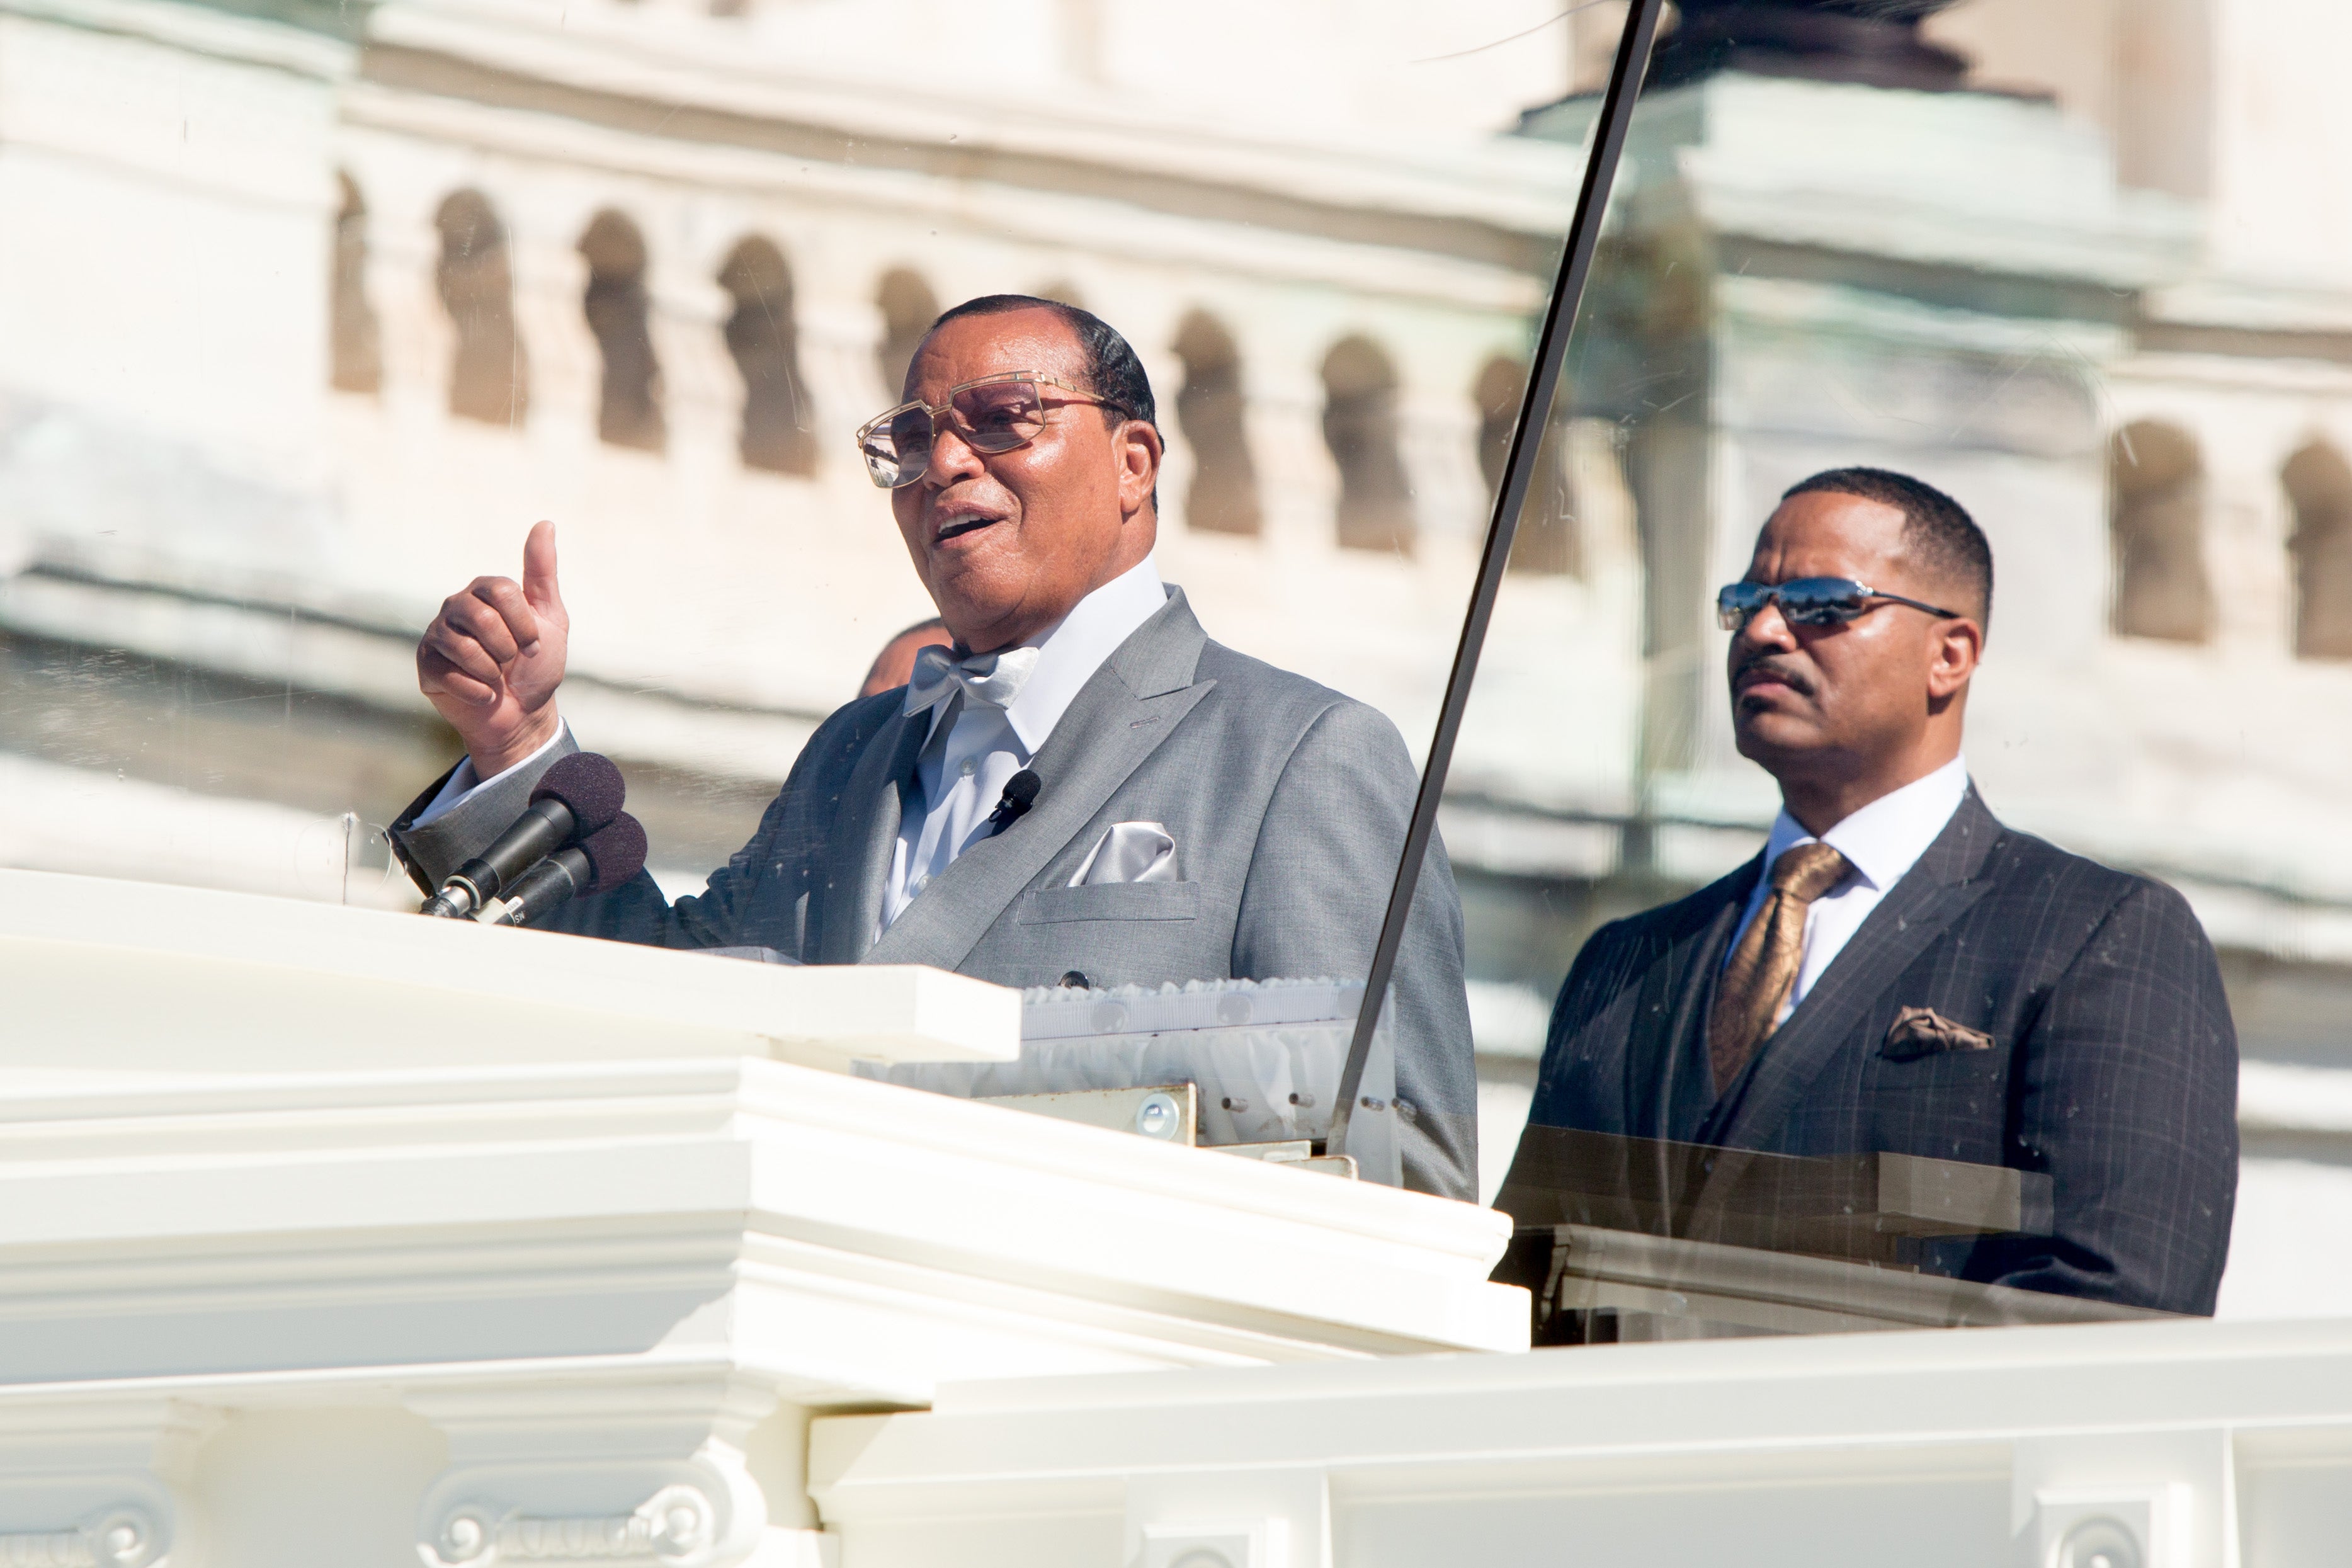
(590, 785)
(616, 852)
(1022, 788)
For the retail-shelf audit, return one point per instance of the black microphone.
(598, 863)
(1020, 795)
(575, 797)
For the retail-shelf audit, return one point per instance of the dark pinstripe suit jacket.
(2115, 1065)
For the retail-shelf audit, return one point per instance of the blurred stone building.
(308, 317)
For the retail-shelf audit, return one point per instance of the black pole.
(1518, 472)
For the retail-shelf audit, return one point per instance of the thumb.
(538, 569)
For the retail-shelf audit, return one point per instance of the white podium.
(332, 1235)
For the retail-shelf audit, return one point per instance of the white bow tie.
(990, 679)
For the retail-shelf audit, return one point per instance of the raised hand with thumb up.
(492, 659)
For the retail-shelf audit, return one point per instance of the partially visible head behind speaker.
(894, 665)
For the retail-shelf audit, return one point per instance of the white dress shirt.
(962, 775)
(1882, 841)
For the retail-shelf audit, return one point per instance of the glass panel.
(1986, 1073)
(313, 312)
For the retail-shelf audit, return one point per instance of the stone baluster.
(1300, 494)
(564, 366)
(2248, 522)
(702, 390)
(1437, 429)
(414, 334)
(839, 337)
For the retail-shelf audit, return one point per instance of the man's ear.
(1139, 449)
(1957, 648)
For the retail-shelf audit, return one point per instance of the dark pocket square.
(1922, 1032)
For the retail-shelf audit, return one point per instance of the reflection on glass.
(642, 270)
(2011, 1089)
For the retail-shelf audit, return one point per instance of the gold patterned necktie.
(1764, 966)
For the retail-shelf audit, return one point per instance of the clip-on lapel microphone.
(1020, 795)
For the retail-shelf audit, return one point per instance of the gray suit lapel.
(857, 852)
(1123, 713)
(1915, 912)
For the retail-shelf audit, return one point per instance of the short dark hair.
(1113, 372)
(1936, 528)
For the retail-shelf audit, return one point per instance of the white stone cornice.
(201, 30)
(603, 996)
(1462, 1448)
(444, 1129)
(1379, 267)
(1511, 183)
(543, 1260)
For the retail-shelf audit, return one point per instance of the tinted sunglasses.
(995, 414)
(1810, 602)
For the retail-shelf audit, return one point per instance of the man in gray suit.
(1200, 815)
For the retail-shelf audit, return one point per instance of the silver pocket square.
(1130, 852)
(1922, 1032)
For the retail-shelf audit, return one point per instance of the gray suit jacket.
(1288, 802)
(2113, 1064)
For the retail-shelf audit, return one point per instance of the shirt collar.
(1070, 654)
(1885, 839)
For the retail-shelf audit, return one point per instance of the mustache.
(1775, 668)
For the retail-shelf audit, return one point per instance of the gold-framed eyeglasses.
(993, 414)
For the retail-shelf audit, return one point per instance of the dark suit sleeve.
(1324, 861)
(1572, 1088)
(725, 913)
(2126, 1093)
(756, 900)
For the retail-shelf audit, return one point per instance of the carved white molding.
(544, 1484)
(676, 1526)
(123, 1537)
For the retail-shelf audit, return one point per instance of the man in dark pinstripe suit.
(1897, 972)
